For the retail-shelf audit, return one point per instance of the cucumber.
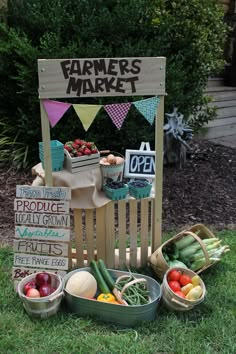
(98, 276)
(106, 275)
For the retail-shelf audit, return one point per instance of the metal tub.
(126, 316)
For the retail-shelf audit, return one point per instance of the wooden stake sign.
(42, 230)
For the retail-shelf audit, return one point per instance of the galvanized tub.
(127, 316)
(42, 307)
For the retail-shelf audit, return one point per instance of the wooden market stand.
(149, 73)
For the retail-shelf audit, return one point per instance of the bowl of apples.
(41, 294)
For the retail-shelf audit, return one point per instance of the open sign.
(139, 163)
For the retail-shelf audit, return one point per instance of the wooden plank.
(41, 206)
(46, 144)
(79, 243)
(133, 231)
(223, 96)
(216, 132)
(38, 247)
(45, 262)
(43, 192)
(61, 78)
(49, 220)
(223, 104)
(21, 272)
(216, 89)
(157, 208)
(229, 140)
(89, 234)
(221, 122)
(144, 231)
(100, 232)
(122, 232)
(226, 112)
(110, 235)
(42, 233)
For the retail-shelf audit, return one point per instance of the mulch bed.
(204, 191)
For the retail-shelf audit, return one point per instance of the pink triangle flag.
(55, 110)
(118, 112)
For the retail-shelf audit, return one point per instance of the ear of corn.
(190, 252)
(199, 263)
(184, 241)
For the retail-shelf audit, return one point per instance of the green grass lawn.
(209, 328)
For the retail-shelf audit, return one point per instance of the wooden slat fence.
(119, 233)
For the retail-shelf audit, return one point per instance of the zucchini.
(106, 275)
(98, 276)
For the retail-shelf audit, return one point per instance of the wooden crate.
(81, 163)
(120, 233)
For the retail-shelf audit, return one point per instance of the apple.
(34, 293)
(53, 289)
(43, 278)
(45, 290)
(30, 285)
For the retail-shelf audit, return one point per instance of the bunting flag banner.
(86, 113)
(55, 110)
(148, 108)
(118, 112)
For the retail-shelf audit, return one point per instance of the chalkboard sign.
(139, 164)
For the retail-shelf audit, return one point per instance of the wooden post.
(157, 207)
(46, 146)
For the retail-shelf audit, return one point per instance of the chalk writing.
(42, 233)
(40, 247)
(41, 192)
(42, 219)
(142, 164)
(21, 259)
(43, 206)
(19, 273)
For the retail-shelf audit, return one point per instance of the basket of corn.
(195, 248)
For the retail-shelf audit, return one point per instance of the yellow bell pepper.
(185, 289)
(195, 293)
(196, 280)
(106, 298)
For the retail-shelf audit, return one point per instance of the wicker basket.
(42, 307)
(174, 302)
(199, 232)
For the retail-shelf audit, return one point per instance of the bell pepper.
(106, 298)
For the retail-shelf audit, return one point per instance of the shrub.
(190, 33)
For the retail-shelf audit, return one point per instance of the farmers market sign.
(42, 233)
(60, 78)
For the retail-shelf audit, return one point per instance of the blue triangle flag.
(148, 108)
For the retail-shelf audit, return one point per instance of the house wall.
(224, 98)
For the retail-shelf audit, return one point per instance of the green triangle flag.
(86, 113)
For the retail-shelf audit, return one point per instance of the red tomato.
(174, 275)
(184, 279)
(174, 285)
(180, 293)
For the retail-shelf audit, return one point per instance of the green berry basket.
(140, 192)
(57, 154)
(116, 194)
